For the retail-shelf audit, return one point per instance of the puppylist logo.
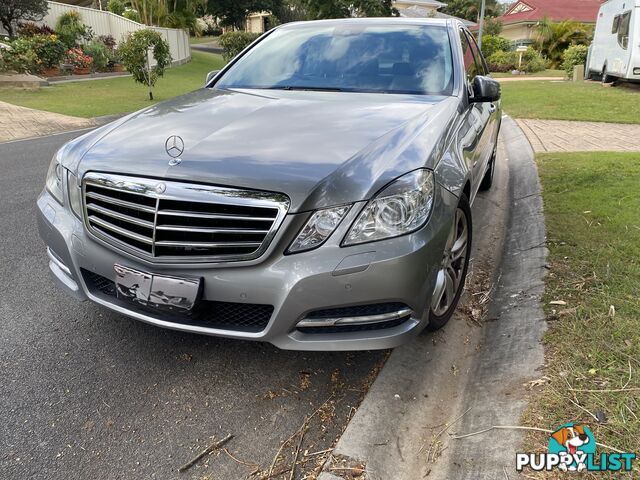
(572, 447)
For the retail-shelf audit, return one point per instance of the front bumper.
(398, 271)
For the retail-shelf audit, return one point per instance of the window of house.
(623, 30)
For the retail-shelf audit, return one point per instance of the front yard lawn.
(592, 211)
(584, 101)
(94, 98)
(544, 73)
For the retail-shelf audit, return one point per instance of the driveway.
(21, 122)
(571, 136)
(86, 393)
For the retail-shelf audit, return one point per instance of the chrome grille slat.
(176, 222)
(178, 228)
(122, 203)
(120, 216)
(119, 230)
(211, 216)
(166, 243)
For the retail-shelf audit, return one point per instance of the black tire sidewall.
(437, 322)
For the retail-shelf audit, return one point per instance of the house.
(258, 22)
(523, 17)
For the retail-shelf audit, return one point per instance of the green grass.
(544, 73)
(196, 40)
(586, 101)
(592, 211)
(115, 95)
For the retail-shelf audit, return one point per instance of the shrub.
(501, 61)
(99, 52)
(29, 29)
(209, 25)
(234, 42)
(21, 57)
(70, 28)
(494, 43)
(49, 50)
(108, 41)
(78, 59)
(134, 56)
(572, 56)
(116, 6)
(131, 14)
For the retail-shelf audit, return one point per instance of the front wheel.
(453, 269)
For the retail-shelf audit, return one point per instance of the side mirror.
(210, 76)
(485, 89)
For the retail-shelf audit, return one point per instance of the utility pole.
(481, 25)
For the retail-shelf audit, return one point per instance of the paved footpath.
(570, 136)
(20, 122)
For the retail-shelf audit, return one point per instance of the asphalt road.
(86, 393)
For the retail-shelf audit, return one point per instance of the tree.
(134, 52)
(11, 11)
(470, 9)
(233, 13)
(318, 9)
(554, 38)
(492, 26)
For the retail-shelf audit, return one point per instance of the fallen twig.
(304, 424)
(318, 453)
(254, 465)
(447, 427)
(295, 456)
(206, 451)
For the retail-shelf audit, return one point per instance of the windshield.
(413, 59)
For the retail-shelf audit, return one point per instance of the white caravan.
(615, 50)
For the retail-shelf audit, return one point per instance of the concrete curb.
(414, 395)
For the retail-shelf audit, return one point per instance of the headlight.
(54, 179)
(318, 228)
(403, 207)
(75, 194)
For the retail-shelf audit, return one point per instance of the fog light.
(636, 71)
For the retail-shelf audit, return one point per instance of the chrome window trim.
(183, 191)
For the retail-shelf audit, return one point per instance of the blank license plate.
(157, 291)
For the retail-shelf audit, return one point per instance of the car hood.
(319, 148)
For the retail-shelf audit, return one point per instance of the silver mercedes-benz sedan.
(315, 194)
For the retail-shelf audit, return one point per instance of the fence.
(107, 23)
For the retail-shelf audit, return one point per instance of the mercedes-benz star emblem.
(160, 188)
(174, 146)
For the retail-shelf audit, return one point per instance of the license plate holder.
(161, 292)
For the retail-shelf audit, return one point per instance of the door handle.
(492, 108)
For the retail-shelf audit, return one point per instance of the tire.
(606, 78)
(487, 180)
(440, 308)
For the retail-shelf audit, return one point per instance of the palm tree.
(554, 38)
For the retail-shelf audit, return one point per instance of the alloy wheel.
(451, 272)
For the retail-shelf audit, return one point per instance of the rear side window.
(623, 30)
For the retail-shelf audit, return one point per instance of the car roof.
(442, 22)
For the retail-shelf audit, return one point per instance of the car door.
(482, 114)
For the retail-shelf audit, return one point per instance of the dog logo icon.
(575, 440)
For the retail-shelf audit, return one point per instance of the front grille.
(177, 221)
(242, 317)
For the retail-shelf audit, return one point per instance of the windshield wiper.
(315, 89)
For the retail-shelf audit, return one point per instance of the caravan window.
(616, 24)
(623, 30)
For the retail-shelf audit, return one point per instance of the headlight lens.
(402, 207)
(318, 228)
(75, 194)
(54, 179)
